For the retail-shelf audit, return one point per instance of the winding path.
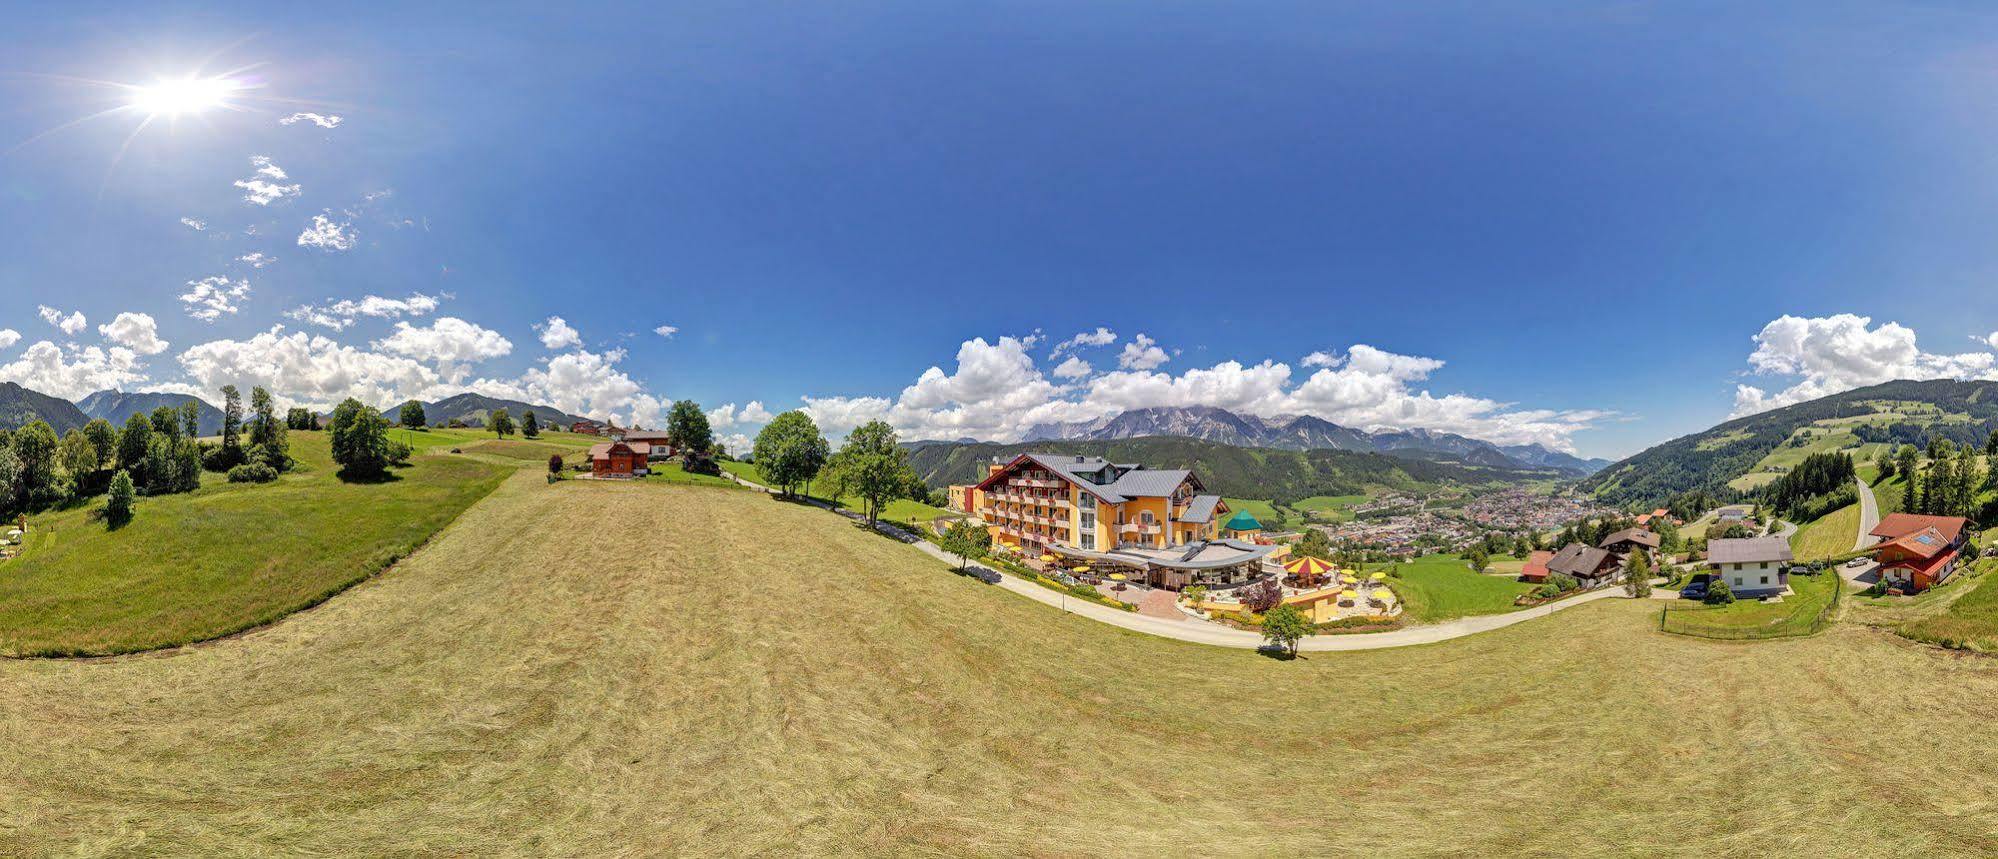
(1865, 575)
(1222, 636)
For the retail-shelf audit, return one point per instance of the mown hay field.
(642, 668)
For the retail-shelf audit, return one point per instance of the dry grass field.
(646, 668)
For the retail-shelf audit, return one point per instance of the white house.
(1751, 566)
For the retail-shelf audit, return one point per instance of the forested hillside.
(1901, 412)
(1243, 472)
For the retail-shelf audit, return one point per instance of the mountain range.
(20, 406)
(1230, 470)
(1304, 432)
(118, 406)
(471, 408)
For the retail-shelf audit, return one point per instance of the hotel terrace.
(1155, 525)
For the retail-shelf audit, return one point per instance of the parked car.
(1695, 589)
(1858, 562)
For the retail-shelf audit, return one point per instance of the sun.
(174, 97)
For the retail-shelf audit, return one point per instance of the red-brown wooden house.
(619, 459)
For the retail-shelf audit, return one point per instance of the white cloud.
(70, 324)
(1073, 368)
(210, 297)
(310, 369)
(1142, 353)
(727, 415)
(556, 334)
(326, 235)
(337, 315)
(584, 383)
(256, 259)
(9, 337)
(1100, 337)
(452, 344)
(1322, 359)
(75, 372)
(195, 224)
(1830, 354)
(997, 393)
(314, 118)
(267, 185)
(135, 331)
(666, 330)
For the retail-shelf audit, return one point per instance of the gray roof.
(1145, 483)
(1207, 555)
(1132, 481)
(1748, 550)
(1201, 509)
(1578, 560)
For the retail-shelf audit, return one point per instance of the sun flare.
(176, 97)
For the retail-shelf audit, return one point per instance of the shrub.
(1087, 592)
(1563, 582)
(252, 472)
(118, 505)
(555, 463)
(1262, 596)
(1718, 593)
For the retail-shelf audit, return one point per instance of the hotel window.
(1765, 580)
(1145, 517)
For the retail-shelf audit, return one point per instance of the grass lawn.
(1441, 587)
(1829, 536)
(738, 675)
(1750, 618)
(224, 558)
(1332, 508)
(900, 509)
(1271, 516)
(1970, 622)
(671, 472)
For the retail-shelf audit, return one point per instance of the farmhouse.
(1593, 567)
(1919, 552)
(620, 459)
(660, 445)
(1156, 523)
(586, 428)
(1630, 540)
(1751, 566)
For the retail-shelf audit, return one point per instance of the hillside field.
(520, 688)
(224, 558)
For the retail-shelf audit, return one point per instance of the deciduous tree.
(412, 415)
(789, 452)
(871, 465)
(968, 540)
(359, 438)
(1637, 576)
(529, 427)
(500, 423)
(1284, 627)
(687, 427)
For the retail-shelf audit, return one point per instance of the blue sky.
(1583, 224)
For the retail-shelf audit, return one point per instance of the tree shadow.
(1280, 654)
(349, 476)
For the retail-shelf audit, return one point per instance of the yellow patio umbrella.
(1082, 569)
(1049, 559)
(1307, 566)
(1378, 577)
(1350, 579)
(1116, 577)
(1349, 595)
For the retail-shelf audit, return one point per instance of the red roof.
(1897, 525)
(1926, 543)
(1536, 565)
